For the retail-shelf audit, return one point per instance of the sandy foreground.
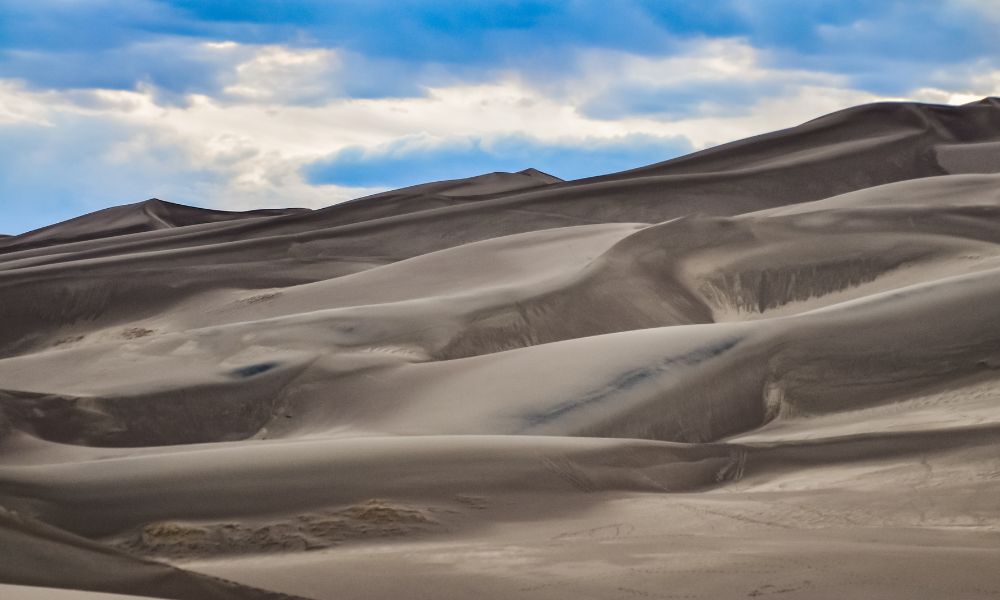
(771, 368)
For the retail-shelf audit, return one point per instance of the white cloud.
(703, 60)
(279, 109)
(280, 75)
(18, 105)
(966, 85)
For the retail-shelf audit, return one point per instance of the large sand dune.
(767, 368)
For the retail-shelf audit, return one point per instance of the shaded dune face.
(786, 333)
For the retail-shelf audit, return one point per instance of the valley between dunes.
(770, 368)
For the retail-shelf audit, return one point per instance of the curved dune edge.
(37, 554)
(767, 368)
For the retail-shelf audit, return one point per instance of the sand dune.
(36, 554)
(767, 368)
(152, 215)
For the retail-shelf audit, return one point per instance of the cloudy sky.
(240, 104)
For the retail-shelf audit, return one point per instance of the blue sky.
(244, 104)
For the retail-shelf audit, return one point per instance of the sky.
(243, 104)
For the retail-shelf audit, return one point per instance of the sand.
(771, 368)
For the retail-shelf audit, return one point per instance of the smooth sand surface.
(23, 592)
(771, 368)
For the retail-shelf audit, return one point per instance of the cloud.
(267, 137)
(72, 165)
(680, 101)
(67, 153)
(306, 102)
(399, 48)
(287, 75)
(962, 87)
(276, 74)
(415, 160)
(708, 77)
(16, 106)
(67, 25)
